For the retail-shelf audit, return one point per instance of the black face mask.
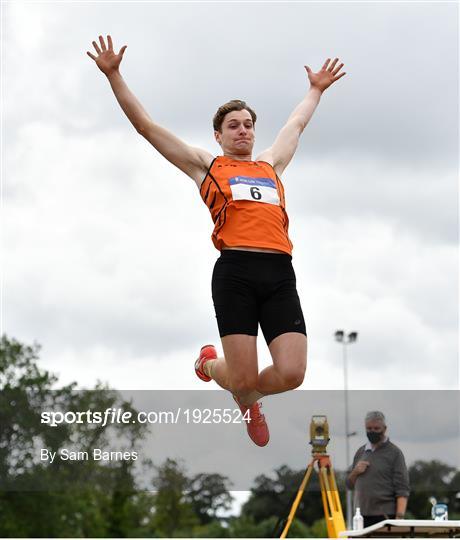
(374, 437)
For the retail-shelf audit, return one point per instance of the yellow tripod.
(319, 431)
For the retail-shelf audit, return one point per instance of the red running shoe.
(207, 352)
(256, 426)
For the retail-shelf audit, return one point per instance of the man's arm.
(401, 484)
(285, 145)
(358, 469)
(401, 505)
(192, 161)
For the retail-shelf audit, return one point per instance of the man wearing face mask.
(379, 475)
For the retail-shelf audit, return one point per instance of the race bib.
(246, 188)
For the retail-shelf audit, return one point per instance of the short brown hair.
(233, 105)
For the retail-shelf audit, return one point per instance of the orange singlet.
(246, 201)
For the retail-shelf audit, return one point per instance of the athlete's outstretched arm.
(192, 161)
(285, 145)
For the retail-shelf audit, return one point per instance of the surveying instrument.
(319, 438)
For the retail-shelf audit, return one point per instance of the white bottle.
(358, 522)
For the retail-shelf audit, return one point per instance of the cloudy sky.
(106, 247)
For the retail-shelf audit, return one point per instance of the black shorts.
(255, 287)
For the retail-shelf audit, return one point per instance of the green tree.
(174, 514)
(209, 495)
(63, 499)
(274, 496)
(430, 479)
(214, 529)
(319, 529)
(246, 527)
(243, 527)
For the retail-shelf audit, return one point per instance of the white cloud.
(388, 104)
(409, 197)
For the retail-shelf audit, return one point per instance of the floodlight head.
(339, 335)
(352, 336)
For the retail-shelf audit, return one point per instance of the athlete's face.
(237, 133)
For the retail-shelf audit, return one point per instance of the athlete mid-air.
(253, 281)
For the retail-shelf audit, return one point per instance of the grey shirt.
(385, 479)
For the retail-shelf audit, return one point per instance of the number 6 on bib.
(247, 188)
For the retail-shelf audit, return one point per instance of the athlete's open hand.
(107, 61)
(328, 74)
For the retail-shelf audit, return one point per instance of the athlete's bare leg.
(289, 354)
(237, 371)
(217, 370)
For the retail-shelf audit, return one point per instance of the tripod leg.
(297, 500)
(331, 502)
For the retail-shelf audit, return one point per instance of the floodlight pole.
(345, 340)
